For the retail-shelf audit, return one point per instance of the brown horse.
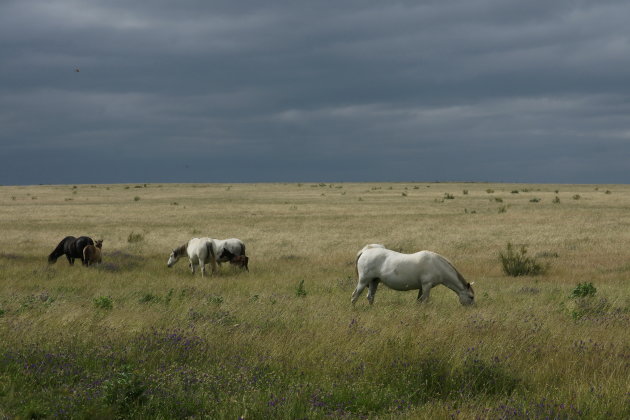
(240, 261)
(92, 253)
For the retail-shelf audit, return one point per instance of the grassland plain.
(134, 339)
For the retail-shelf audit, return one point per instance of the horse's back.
(198, 247)
(234, 245)
(403, 271)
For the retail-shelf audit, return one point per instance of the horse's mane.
(459, 275)
(181, 250)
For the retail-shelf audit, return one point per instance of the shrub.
(465, 192)
(300, 291)
(135, 237)
(534, 200)
(516, 262)
(502, 209)
(556, 200)
(103, 302)
(577, 197)
(448, 196)
(584, 290)
(136, 198)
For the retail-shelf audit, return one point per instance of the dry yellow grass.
(312, 232)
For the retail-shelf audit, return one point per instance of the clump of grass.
(148, 298)
(217, 300)
(465, 192)
(489, 190)
(502, 209)
(136, 198)
(577, 197)
(103, 302)
(556, 200)
(135, 237)
(534, 200)
(516, 262)
(448, 196)
(300, 290)
(124, 391)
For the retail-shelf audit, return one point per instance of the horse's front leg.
(70, 259)
(191, 265)
(372, 290)
(202, 266)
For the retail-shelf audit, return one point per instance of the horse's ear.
(470, 284)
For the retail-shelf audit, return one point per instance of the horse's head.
(99, 243)
(467, 296)
(172, 259)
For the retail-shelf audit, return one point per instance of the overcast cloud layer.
(240, 91)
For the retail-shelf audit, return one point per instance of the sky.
(115, 91)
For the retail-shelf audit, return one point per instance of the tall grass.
(135, 339)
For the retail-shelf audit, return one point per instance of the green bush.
(103, 302)
(584, 290)
(516, 262)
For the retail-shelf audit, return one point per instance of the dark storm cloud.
(342, 91)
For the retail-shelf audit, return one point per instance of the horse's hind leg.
(372, 290)
(423, 294)
(363, 283)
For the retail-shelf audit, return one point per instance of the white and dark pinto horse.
(228, 249)
(423, 270)
(200, 251)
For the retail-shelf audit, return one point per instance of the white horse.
(422, 270)
(199, 251)
(226, 249)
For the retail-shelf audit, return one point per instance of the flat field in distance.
(132, 338)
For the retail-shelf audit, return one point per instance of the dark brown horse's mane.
(180, 251)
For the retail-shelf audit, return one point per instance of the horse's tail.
(58, 251)
(85, 254)
(213, 257)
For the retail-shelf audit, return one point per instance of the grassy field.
(132, 338)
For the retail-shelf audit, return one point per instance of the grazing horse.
(422, 270)
(227, 249)
(72, 248)
(92, 254)
(199, 251)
